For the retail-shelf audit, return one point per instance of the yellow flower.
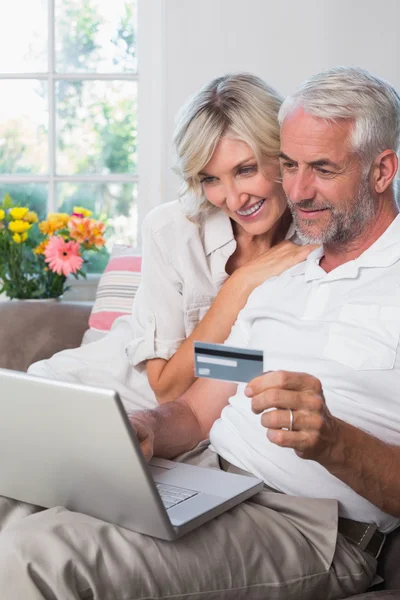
(84, 212)
(2, 214)
(19, 226)
(31, 217)
(40, 249)
(55, 222)
(18, 212)
(18, 238)
(44, 227)
(58, 217)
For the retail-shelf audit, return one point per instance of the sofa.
(34, 330)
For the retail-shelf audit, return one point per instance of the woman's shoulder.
(166, 216)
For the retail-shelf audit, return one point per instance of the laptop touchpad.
(162, 463)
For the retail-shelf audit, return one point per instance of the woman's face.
(233, 181)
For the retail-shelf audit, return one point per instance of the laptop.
(66, 444)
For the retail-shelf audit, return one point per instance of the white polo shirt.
(343, 327)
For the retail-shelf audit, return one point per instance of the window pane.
(96, 127)
(33, 195)
(23, 36)
(116, 202)
(95, 36)
(23, 127)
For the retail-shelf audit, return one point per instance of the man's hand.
(314, 429)
(144, 433)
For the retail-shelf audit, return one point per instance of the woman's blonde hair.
(240, 105)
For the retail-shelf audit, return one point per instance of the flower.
(59, 218)
(96, 233)
(55, 222)
(79, 211)
(41, 247)
(18, 238)
(37, 257)
(31, 217)
(63, 257)
(19, 226)
(18, 212)
(87, 231)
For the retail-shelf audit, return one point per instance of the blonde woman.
(202, 254)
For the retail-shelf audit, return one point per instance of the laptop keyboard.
(171, 495)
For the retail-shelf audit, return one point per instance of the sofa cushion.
(116, 291)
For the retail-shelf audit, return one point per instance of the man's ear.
(384, 170)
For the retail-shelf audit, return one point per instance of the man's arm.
(176, 427)
(368, 465)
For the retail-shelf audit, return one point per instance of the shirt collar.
(291, 233)
(384, 252)
(217, 231)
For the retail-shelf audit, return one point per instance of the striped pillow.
(117, 288)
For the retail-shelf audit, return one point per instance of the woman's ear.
(384, 170)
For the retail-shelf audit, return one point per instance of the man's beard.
(346, 223)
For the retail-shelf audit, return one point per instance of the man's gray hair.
(352, 93)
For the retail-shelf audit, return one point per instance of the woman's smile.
(252, 212)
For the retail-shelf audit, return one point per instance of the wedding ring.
(291, 419)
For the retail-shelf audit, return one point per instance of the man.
(322, 425)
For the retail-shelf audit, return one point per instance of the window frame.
(151, 172)
(52, 178)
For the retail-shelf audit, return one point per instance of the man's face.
(328, 193)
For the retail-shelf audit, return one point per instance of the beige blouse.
(182, 271)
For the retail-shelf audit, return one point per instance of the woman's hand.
(271, 263)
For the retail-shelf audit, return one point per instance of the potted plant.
(37, 256)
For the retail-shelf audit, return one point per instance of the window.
(68, 90)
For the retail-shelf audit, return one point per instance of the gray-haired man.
(330, 329)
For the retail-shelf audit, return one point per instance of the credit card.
(217, 361)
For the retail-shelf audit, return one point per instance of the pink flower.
(63, 257)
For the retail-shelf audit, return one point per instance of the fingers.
(288, 247)
(287, 380)
(287, 439)
(144, 435)
(302, 420)
(299, 441)
(307, 443)
(285, 399)
(146, 446)
(305, 250)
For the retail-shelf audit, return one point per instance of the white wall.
(281, 41)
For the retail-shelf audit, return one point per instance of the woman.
(202, 255)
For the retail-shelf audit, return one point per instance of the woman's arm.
(171, 378)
